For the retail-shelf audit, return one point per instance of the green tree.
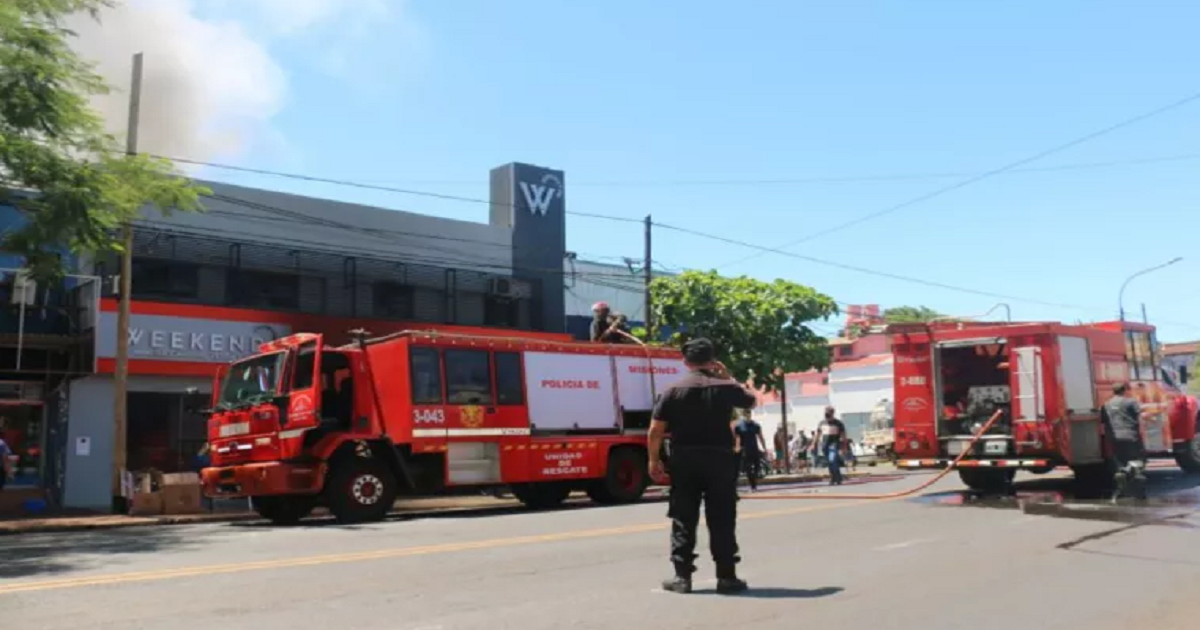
(757, 326)
(909, 314)
(73, 183)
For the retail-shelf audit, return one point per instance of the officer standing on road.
(698, 413)
(1121, 415)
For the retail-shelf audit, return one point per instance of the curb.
(108, 522)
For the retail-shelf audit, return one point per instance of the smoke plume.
(209, 89)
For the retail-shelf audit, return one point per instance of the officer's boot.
(728, 582)
(681, 583)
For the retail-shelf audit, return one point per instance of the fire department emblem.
(471, 416)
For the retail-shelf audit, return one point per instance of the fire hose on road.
(843, 496)
(899, 493)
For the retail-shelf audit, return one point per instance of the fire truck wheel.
(625, 480)
(540, 496)
(285, 510)
(1188, 456)
(360, 490)
(987, 480)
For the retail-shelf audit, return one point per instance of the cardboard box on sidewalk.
(181, 493)
(146, 504)
(146, 499)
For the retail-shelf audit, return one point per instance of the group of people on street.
(829, 445)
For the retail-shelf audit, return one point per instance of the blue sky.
(682, 109)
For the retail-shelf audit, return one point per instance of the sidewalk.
(430, 504)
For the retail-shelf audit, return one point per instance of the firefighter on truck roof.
(606, 323)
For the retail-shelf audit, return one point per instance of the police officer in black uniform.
(697, 411)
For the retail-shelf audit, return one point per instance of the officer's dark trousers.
(705, 475)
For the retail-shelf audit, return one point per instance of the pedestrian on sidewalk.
(832, 440)
(800, 449)
(780, 449)
(751, 445)
(5, 456)
(698, 413)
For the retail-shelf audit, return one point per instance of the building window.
(165, 279)
(501, 312)
(426, 376)
(392, 299)
(509, 390)
(260, 289)
(845, 351)
(468, 377)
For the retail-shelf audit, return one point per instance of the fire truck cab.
(301, 425)
(1049, 380)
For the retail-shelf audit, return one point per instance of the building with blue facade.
(258, 264)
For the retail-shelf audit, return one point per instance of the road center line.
(384, 554)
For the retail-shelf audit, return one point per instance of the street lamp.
(1121, 295)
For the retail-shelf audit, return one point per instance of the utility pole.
(121, 376)
(783, 409)
(647, 277)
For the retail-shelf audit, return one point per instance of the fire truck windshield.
(251, 381)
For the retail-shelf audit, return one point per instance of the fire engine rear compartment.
(972, 382)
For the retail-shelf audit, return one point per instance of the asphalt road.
(940, 562)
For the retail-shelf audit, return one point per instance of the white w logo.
(538, 197)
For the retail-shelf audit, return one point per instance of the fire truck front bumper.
(261, 479)
(1026, 464)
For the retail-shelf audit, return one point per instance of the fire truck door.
(1079, 433)
(510, 413)
(304, 392)
(1029, 400)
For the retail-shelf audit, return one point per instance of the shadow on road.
(440, 513)
(778, 592)
(45, 554)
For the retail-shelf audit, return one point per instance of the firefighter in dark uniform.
(698, 412)
(606, 323)
(1122, 415)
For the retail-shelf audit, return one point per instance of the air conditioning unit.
(502, 287)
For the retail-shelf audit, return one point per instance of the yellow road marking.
(384, 554)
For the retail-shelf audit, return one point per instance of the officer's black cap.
(699, 351)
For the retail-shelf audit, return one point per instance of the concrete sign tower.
(531, 201)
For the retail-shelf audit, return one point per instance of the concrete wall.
(88, 478)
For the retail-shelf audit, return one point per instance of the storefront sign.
(165, 338)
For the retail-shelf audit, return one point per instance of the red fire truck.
(1049, 380)
(301, 425)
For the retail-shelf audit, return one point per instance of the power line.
(895, 276)
(376, 187)
(828, 179)
(985, 175)
(863, 270)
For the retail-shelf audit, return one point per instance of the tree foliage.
(72, 182)
(756, 326)
(909, 315)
